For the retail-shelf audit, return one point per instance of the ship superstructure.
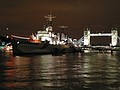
(47, 34)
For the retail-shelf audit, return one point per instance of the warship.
(43, 42)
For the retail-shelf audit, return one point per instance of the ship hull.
(24, 47)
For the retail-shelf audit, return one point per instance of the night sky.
(22, 17)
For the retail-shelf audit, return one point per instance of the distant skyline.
(22, 17)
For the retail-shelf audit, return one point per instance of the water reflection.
(101, 70)
(96, 71)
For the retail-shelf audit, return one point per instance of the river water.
(74, 71)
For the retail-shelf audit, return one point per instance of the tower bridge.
(84, 42)
(113, 35)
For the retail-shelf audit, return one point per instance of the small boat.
(7, 47)
(5, 44)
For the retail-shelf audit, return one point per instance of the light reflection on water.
(96, 71)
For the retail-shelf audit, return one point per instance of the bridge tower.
(87, 37)
(114, 36)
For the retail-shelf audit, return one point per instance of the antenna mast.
(49, 19)
(63, 28)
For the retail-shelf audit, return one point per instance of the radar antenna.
(62, 28)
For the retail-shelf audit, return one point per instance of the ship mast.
(49, 19)
(62, 28)
(63, 36)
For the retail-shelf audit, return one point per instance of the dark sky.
(23, 17)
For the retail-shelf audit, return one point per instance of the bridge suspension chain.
(81, 40)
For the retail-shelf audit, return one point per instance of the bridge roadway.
(100, 48)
